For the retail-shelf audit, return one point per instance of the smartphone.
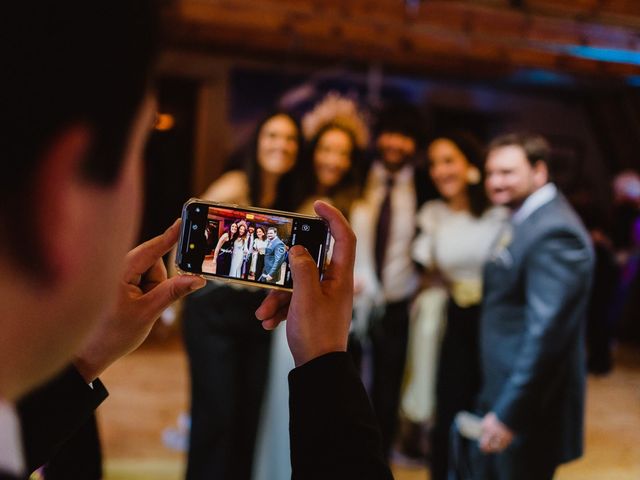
(246, 244)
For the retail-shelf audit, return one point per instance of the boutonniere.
(505, 239)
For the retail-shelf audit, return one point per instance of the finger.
(306, 278)
(344, 250)
(154, 276)
(270, 324)
(484, 444)
(272, 304)
(273, 322)
(142, 258)
(167, 292)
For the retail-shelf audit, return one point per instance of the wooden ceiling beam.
(440, 32)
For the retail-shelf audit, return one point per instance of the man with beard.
(386, 277)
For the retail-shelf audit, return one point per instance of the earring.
(473, 176)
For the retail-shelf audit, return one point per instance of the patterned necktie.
(383, 227)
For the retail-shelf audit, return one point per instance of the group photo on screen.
(247, 245)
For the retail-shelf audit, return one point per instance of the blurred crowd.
(429, 216)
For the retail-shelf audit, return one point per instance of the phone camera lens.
(194, 227)
(306, 228)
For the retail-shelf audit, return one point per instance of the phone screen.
(247, 244)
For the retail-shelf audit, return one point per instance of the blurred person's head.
(626, 188)
(332, 149)
(336, 133)
(273, 152)
(455, 163)
(76, 111)
(399, 133)
(260, 232)
(516, 166)
(278, 144)
(272, 232)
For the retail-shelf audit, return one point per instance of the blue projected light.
(614, 55)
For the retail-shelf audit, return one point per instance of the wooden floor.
(148, 391)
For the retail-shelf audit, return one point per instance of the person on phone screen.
(257, 252)
(274, 256)
(224, 250)
(240, 250)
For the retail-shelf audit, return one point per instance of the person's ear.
(540, 173)
(60, 206)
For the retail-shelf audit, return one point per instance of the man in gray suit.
(274, 255)
(532, 326)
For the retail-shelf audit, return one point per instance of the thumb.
(170, 290)
(303, 269)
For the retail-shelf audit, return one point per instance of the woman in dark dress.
(224, 249)
(228, 349)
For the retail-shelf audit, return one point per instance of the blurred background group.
(277, 103)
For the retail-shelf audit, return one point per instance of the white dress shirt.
(11, 453)
(399, 277)
(533, 202)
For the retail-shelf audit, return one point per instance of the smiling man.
(532, 325)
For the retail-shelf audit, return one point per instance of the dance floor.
(148, 393)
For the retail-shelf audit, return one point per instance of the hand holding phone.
(318, 312)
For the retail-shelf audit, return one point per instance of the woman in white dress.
(456, 234)
(240, 251)
(257, 253)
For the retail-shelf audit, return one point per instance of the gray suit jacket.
(532, 330)
(274, 255)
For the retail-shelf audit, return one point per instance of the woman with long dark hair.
(456, 233)
(228, 349)
(336, 135)
(258, 251)
(224, 250)
(240, 251)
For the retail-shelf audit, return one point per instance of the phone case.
(246, 283)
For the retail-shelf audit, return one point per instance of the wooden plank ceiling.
(586, 38)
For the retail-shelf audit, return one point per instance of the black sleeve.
(333, 431)
(54, 412)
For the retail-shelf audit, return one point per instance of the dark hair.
(246, 228)
(252, 168)
(272, 228)
(232, 236)
(260, 227)
(472, 150)
(348, 188)
(403, 118)
(535, 147)
(65, 63)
